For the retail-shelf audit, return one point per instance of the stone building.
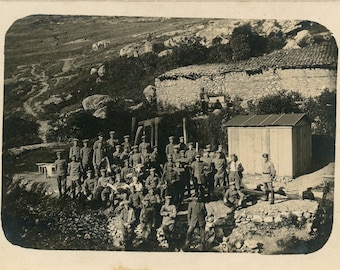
(307, 70)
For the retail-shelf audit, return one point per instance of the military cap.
(168, 197)
(171, 137)
(155, 146)
(205, 150)
(58, 152)
(125, 202)
(198, 156)
(265, 155)
(126, 136)
(144, 136)
(195, 195)
(146, 199)
(134, 147)
(75, 139)
(85, 140)
(89, 171)
(181, 137)
(220, 146)
(182, 151)
(118, 146)
(103, 170)
(208, 146)
(231, 183)
(152, 169)
(100, 134)
(190, 143)
(112, 132)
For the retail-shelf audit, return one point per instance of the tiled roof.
(265, 120)
(324, 55)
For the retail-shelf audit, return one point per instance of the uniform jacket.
(196, 213)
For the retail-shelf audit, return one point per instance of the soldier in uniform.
(169, 148)
(125, 154)
(112, 141)
(268, 174)
(75, 149)
(171, 179)
(196, 218)
(127, 219)
(126, 143)
(116, 155)
(135, 157)
(86, 155)
(190, 152)
(61, 171)
(182, 145)
(75, 171)
(147, 218)
(90, 185)
(103, 190)
(144, 146)
(168, 212)
(220, 170)
(235, 170)
(185, 175)
(199, 173)
(175, 154)
(152, 180)
(209, 169)
(135, 199)
(98, 153)
(233, 197)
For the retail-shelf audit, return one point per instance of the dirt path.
(37, 89)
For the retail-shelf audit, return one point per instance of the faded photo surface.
(185, 136)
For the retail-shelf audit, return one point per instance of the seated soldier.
(233, 197)
(90, 185)
(103, 190)
(147, 218)
(127, 219)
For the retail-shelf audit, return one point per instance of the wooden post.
(184, 130)
(133, 128)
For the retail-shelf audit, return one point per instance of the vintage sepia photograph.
(168, 134)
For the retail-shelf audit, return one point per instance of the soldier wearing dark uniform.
(175, 154)
(98, 153)
(235, 170)
(112, 141)
(171, 179)
(147, 218)
(185, 172)
(61, 171)
(190, 152)
(86, 155)
(152, 180)
(75, 149)
(135, 199)
(196, 218)
(220, 170)
(103, 190)
(209, 170)
(116, 155)
(75, 171)
(182, 145)
(199, 173)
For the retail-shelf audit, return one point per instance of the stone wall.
(180, 92)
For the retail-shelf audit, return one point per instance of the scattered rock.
(96, 102)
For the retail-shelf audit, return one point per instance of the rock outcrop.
(98, 104)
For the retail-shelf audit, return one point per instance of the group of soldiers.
(131, 180)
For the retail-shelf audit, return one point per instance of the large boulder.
(136, 49)
(96, 102)
(150, 93)
(165, 53)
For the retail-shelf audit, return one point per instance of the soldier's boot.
(272, 197)
(267, 195)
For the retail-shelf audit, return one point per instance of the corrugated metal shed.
(266, 120)
(287, 138)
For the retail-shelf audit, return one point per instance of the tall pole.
(184, 130)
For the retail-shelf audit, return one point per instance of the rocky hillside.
(56, 65)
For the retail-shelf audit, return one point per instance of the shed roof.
(324, 55)
(266, 120)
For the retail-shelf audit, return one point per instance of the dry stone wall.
(180, 91)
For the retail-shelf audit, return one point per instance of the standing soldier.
(190, 152)
(144, 146)
(103, 189)
(135, 157)
(116, 155)
(98, 153)
(182, 145)
(75, 171)
(235, 169)
(152, 180)
(185, 176)
(127, 219)
(112, 141)
(268, 174)
(169, 213)
(169, 148)
(61, 171)
(175, 154)
(198, 171)
(209, 171)
(171, 179)
(127, 143)
(75, 149)
(86, 155)
(147, 218)
(196, 217)
(220, 170)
